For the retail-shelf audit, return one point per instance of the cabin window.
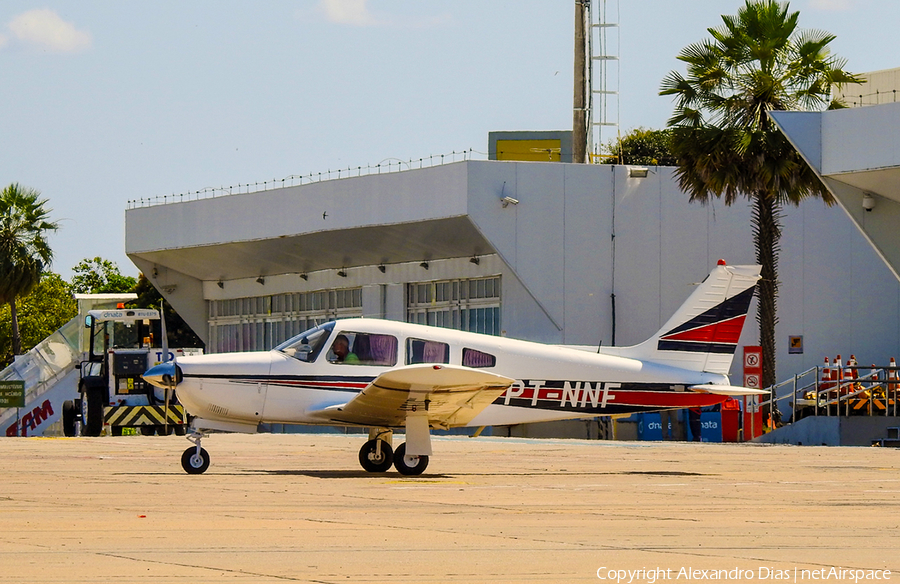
(422, 351)
(473, 358)
(351, 348)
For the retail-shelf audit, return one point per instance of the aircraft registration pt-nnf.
(386, 375)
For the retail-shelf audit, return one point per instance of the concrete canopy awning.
(343, 248)
(882, 181)
(856, 153)
(217, 248)
(412, 216)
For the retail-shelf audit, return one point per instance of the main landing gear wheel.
(408, 464)
(374, 459)
(194, 462)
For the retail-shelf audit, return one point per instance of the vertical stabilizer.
(703, 333)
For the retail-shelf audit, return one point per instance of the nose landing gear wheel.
(407, 464)
(374, 461)
(193, 462)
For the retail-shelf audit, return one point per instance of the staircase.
(857, 407)
(51, 377)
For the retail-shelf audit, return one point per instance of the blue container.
(650, 426)
(710, 427)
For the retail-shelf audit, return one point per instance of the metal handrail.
(839, 392)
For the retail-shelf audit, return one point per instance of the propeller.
(164, 375)
(165, 359)
(167, 374)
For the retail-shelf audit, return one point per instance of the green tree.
(724, 142)
(100, 276)
(180, 334)
(24, 251)
(641, 146)
(42, 312)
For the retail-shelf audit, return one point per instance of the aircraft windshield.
(307, 345)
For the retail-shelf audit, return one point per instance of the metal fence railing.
(871, 98)
(861, 391)
(388, 165)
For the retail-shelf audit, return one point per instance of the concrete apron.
(299, 508)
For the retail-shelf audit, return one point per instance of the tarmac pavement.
(298, 508)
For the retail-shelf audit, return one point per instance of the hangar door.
(468, 305)
(262, 322)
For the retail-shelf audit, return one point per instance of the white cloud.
(352, 12)
(44, 29)
(357, 13)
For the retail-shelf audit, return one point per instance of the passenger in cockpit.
(341, 349)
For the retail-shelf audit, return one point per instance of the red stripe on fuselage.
(309, 384)
(594, 398)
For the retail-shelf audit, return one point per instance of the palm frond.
(24, 249)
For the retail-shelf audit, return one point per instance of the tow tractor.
(111, 390)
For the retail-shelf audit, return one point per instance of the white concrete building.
(552, 252)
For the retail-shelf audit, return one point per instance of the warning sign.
(753, 367)
(12, 394)
(795, 345)
(752, 359)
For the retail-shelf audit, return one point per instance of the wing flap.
(449, 395)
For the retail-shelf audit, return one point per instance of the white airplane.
(387, 375)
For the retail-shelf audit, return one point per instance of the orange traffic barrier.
(892, 376)
(852, 373)
(826, 383)
(838, 372)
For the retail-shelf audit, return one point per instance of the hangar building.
(545, 251)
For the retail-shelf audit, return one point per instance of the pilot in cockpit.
(341, 349)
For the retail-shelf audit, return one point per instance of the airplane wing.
(729, 390)
(450, 395)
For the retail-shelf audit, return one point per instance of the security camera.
(868, 202)
(506, 201)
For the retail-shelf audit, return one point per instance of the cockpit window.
(307, 345)
(350, 348)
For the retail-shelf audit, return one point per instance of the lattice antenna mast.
(605, 74)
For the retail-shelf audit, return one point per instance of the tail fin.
(703, 334)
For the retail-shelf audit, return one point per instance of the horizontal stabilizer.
(729, 390)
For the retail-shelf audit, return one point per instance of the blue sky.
(104, 102)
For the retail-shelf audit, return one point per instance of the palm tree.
(725, 144)
(24, 251)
